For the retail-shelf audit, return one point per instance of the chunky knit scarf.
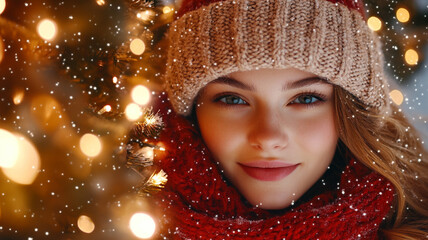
(197, 203)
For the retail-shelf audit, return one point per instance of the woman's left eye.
(307, 99)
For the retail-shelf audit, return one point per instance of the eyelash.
(319, 96)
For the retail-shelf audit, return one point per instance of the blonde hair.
(389, 145)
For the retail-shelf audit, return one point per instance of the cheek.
(221, 135)
(317, 135)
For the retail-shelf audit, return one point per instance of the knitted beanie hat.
(329, 38)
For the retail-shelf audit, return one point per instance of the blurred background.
(74, 78)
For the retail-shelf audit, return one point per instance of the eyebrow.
(305, 82)
(293, 85)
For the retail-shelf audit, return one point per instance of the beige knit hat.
(211, 39)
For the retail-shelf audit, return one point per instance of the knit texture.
(318, 36)
(197, 203)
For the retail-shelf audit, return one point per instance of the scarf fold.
(198, 203)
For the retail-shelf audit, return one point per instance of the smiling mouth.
(268, 171)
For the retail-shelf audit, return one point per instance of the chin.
(271, 204)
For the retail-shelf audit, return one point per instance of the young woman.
(283, 128)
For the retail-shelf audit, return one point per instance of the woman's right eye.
(231, 100)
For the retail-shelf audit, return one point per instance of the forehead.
(288, 74)
(281, 79)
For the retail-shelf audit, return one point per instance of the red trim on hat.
(352, 4)
(190, 5)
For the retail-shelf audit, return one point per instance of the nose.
(268, 132)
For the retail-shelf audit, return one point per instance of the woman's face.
(272, 131)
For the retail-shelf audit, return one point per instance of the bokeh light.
(47, 29)
(374, 23)
(85, 224)
(140, 94)
(133, 112)
(90, 145)
(27, 165)
(8, 149)
(142, 225)
(18, 97)
(137, 46)
(396, 96)
(167, 9)
(411, 57)
(2, 5)
(114, 80)
(402, 15)
(101, 2)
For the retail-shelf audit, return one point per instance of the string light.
(142, 225)
(106, 108)
(90, 145)
(2, 5)
(27, 165)
(18, 97)
(47, 29)
(114, 80)
(396, 96)
(402, 15)
(411, 57)
(101, 2)
(140, 95)
(374, 23)
(137, 46)
(85, 224)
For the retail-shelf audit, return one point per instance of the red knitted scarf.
(197, 203)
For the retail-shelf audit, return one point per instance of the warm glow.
(47, 112)
(85, 224)
(159, 178)
(396, 96)
(101, 2)
(27, 165)
(167, 9)
(374, 23)
(106, 108)
(403, 15)
(1, 49)
(8, 149)
(142, 225)
(411, 57)
(140, 94)
(47, 29)
(133, 112)
(137, 46)
(114, 80)
(150, 120)
(2, 5)
(17, 98)
(146, 15)
(90, 145)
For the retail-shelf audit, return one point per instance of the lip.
(268, 170)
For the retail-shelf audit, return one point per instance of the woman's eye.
(231, 100)
(306, 99)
